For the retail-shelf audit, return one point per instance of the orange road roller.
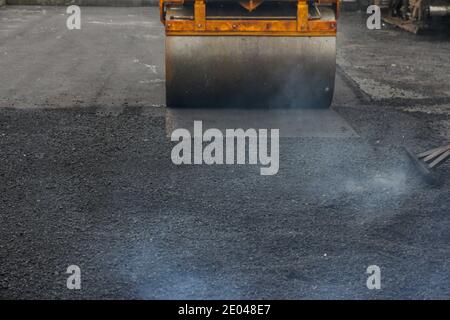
(250, 53)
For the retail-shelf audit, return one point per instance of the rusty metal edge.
(421, 168)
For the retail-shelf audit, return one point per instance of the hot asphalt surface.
(87, 179)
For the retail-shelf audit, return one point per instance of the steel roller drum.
(250, 71)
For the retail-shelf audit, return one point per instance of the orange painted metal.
(302, 26)
(250, 5)
(199, 15)
(260, 27)
(302, 16)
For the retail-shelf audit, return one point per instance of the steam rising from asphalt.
(161, 274)
(393, 183)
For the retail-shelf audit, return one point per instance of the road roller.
(416, 15)
(250, 53)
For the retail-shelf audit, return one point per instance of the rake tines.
(435, 156)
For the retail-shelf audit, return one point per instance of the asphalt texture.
(87, 179)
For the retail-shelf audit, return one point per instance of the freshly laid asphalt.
(87, 179)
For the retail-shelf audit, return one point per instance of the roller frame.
(201, 25)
